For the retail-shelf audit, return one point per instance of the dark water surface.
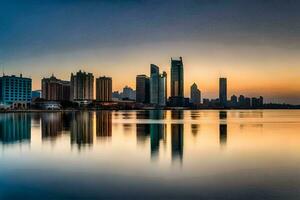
(252, 154)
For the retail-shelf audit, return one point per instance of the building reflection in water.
(104, 124)
(142, 130)
(82, 128)
(177, 136)
(53, 124)
(223, 127)
(157, 132)
(15, 127)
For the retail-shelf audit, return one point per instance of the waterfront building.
(154, 84)
(257, 102)
(142, 89)
(158, 86)
(177, 82)
(104, 89)
(162, 92)
(15, 91)
(223, 92)
(195, 94)
(54, 89)
(82, 86)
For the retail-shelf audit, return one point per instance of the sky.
(255, 44)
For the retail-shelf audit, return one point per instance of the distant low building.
(36, 94)
(128, 93)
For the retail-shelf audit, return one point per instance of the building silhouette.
(15, 91)
(177, 82)
(223, 92)
(142, 89)
(82, 86)
(104, 89)
(54, 89)
(195, 94)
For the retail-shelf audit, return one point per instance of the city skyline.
(241, 41)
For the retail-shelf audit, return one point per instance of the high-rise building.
(195, 94)
(162, 92)
(154, 84)
(104, 89)
(177, 82)
(223, 92)
(158, 86)
(82, 86)
(142, 89)
(55, 89)
(15, 91)
(177, 77)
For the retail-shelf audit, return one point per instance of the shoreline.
(175, 109)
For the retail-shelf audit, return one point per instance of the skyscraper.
(195, 94)
(15, 91)
(82, 86)
(177, 82)
(158, 86)
(162, 93)
(142, 89)
(154, 84)
(223, 92)
(55, 89)
(104, 89)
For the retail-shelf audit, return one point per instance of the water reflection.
(104, 124)
(82, 128)
(153, 147)
(15, 127)
(223, 128)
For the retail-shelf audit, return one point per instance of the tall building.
(195, 94)
(162, 92)
(223, 92)
(15, 91)
(104, 89)
(154, 84)
(82, 86)
(158, 86)
(177, 82)
(55, 89)
(142, 89)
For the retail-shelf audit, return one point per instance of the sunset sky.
(255, 44)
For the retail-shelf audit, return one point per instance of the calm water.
(147, 154)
